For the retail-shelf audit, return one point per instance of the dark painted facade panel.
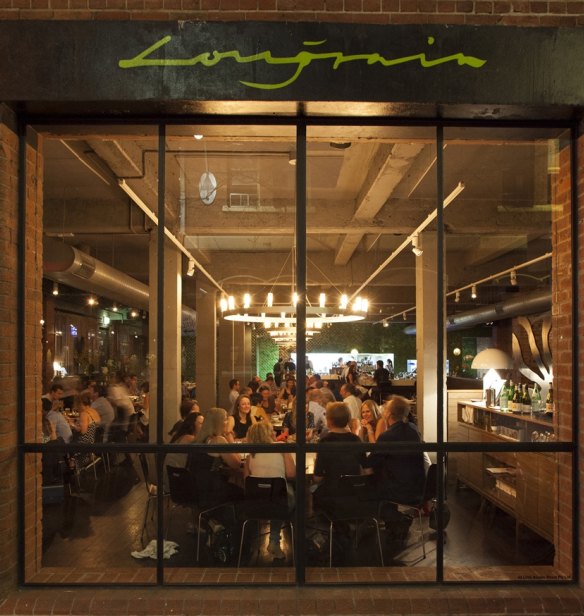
(247, 61)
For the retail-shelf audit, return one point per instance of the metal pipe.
(539, 301)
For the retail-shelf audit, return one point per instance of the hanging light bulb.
(294, 298)
(92, 301)
(231, 302)
(270, 299)
(223, 304)
(322, 300)
(385, 324)
(473, 292)
(457, 297)
(513, 278)
(55, 288)
(246, 300)
(115, 307)
(404, 316)
(133, 313)
(344, 302)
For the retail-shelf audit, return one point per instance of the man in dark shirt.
(381, 374)
(329, 466)
(400, 475)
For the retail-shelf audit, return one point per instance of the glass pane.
(502, 518)
(507, 252)
(509, 341)
(89, 520)
(370, 193)
(229, 281)
(95, 303)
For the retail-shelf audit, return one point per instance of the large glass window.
(196, 349)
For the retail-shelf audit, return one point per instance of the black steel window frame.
(441, 448)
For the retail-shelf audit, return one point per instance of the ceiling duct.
(69, 265)
(539, 301)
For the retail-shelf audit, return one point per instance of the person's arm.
(233, 460)
(83, 422)
(228, 434)
(289, 466)
(368, 432)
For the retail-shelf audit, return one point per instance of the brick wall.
(552, 13)
(580, 358)
(562, 355)
(8, 346)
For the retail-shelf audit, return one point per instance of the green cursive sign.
(301, 60)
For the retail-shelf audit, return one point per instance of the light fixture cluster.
(273, 314)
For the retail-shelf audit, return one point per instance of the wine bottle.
(504, 397)
(511, 395)
(536, 399)
(517, 399)
(526, 400)
(549, 401)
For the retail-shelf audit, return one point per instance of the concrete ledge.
(313, 601)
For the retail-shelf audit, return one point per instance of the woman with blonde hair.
(372, 424)
(215, 472)
(276, 464)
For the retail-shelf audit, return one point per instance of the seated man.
(401, 475)
(329, 466)
(53, 407)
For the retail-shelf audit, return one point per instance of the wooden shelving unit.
(522, 484)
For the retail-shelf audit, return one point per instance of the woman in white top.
(277, 464)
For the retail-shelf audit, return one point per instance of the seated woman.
(188, 405)
(84, 431)
(216, 474)
(267, 403)
(243, 418)
(372, 424)
(187, 433)
(289, 422)
(277, 464)
(287, 393)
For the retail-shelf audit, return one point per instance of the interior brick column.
(562, 354)
(9, 344)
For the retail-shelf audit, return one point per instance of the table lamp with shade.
(491, 360)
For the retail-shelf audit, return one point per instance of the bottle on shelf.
(511, 395)
(526, 400)
(536, 399)
(504, 397)
(517, 399)
(549, 401)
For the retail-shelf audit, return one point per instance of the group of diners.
(220, 476)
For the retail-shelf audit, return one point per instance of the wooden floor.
(90, 535)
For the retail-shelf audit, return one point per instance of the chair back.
(357, 488)
(182, 486)
(265, 497)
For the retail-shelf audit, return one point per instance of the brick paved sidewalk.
(492, 600)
